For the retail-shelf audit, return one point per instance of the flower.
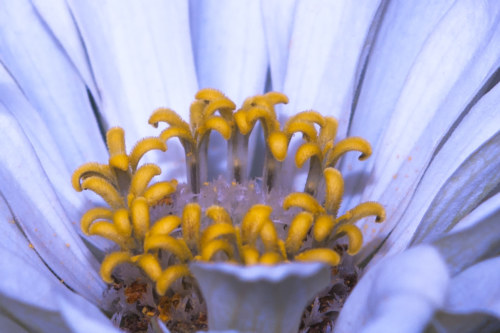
(414, 79)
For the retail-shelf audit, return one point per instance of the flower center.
(161, 227)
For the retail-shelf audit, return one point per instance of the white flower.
(417, 79)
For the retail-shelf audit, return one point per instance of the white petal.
(459, 176)
(399, 294)
(31, 198)
(472, 323)
(466, 247)
(278, 16)
(57, 16)
(50, 82)
(258, 298)
(28, 296)
(10, 325)
(476, 289)
(488, 210)
(13, 241)
(39, 302)
(326, 44)
(83, 317)
(416, 92)
(141, 57)
(14, 102)
(229, 47)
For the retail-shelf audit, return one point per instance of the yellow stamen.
(142, 147)
(328, 132)
(142, 178)
(326, 256)
(165, 225)
(307, 129)
(299, 228)
(269, 237)
(168, 116)
(270, 258)
(218, 214)
(191, 217)
(110, 262)
(218, 124)
(159, 191)
(334, 190)
(355, 237)
(109, 231)
(105, 190)
(168, 276)
(92, 215)
(224, 105)
(89, 170)
(140, 217)
(176, 246)
(303, 200)
(209, 94)
(150, 265)
(121, 220)
(214, 246)
(250, 255)
(305, 152)
(323, 227)
(118, 158)
(274, 97)
(364, 210)
(278, 145)
(307, 116)
(253, 221)
(347, 145)
(216, 230)
(183, 134)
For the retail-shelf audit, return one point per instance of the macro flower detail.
(418, 80)
(161, 227)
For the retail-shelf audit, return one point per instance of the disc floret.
(163, 246)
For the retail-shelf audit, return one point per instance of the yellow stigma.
(161, 229)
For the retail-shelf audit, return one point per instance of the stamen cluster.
(164, 246)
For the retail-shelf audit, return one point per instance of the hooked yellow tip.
(142, 147)
(110, 262)
(355, 237)
(347, 145)
(307, 151)
(303, 200)
(169, 276)
(175, 246)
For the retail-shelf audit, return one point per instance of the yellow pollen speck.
(12, 222)
(31, 246)
(395, 176)
(67, 244)
(409, 158)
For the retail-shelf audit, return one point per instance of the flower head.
(419, 81)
